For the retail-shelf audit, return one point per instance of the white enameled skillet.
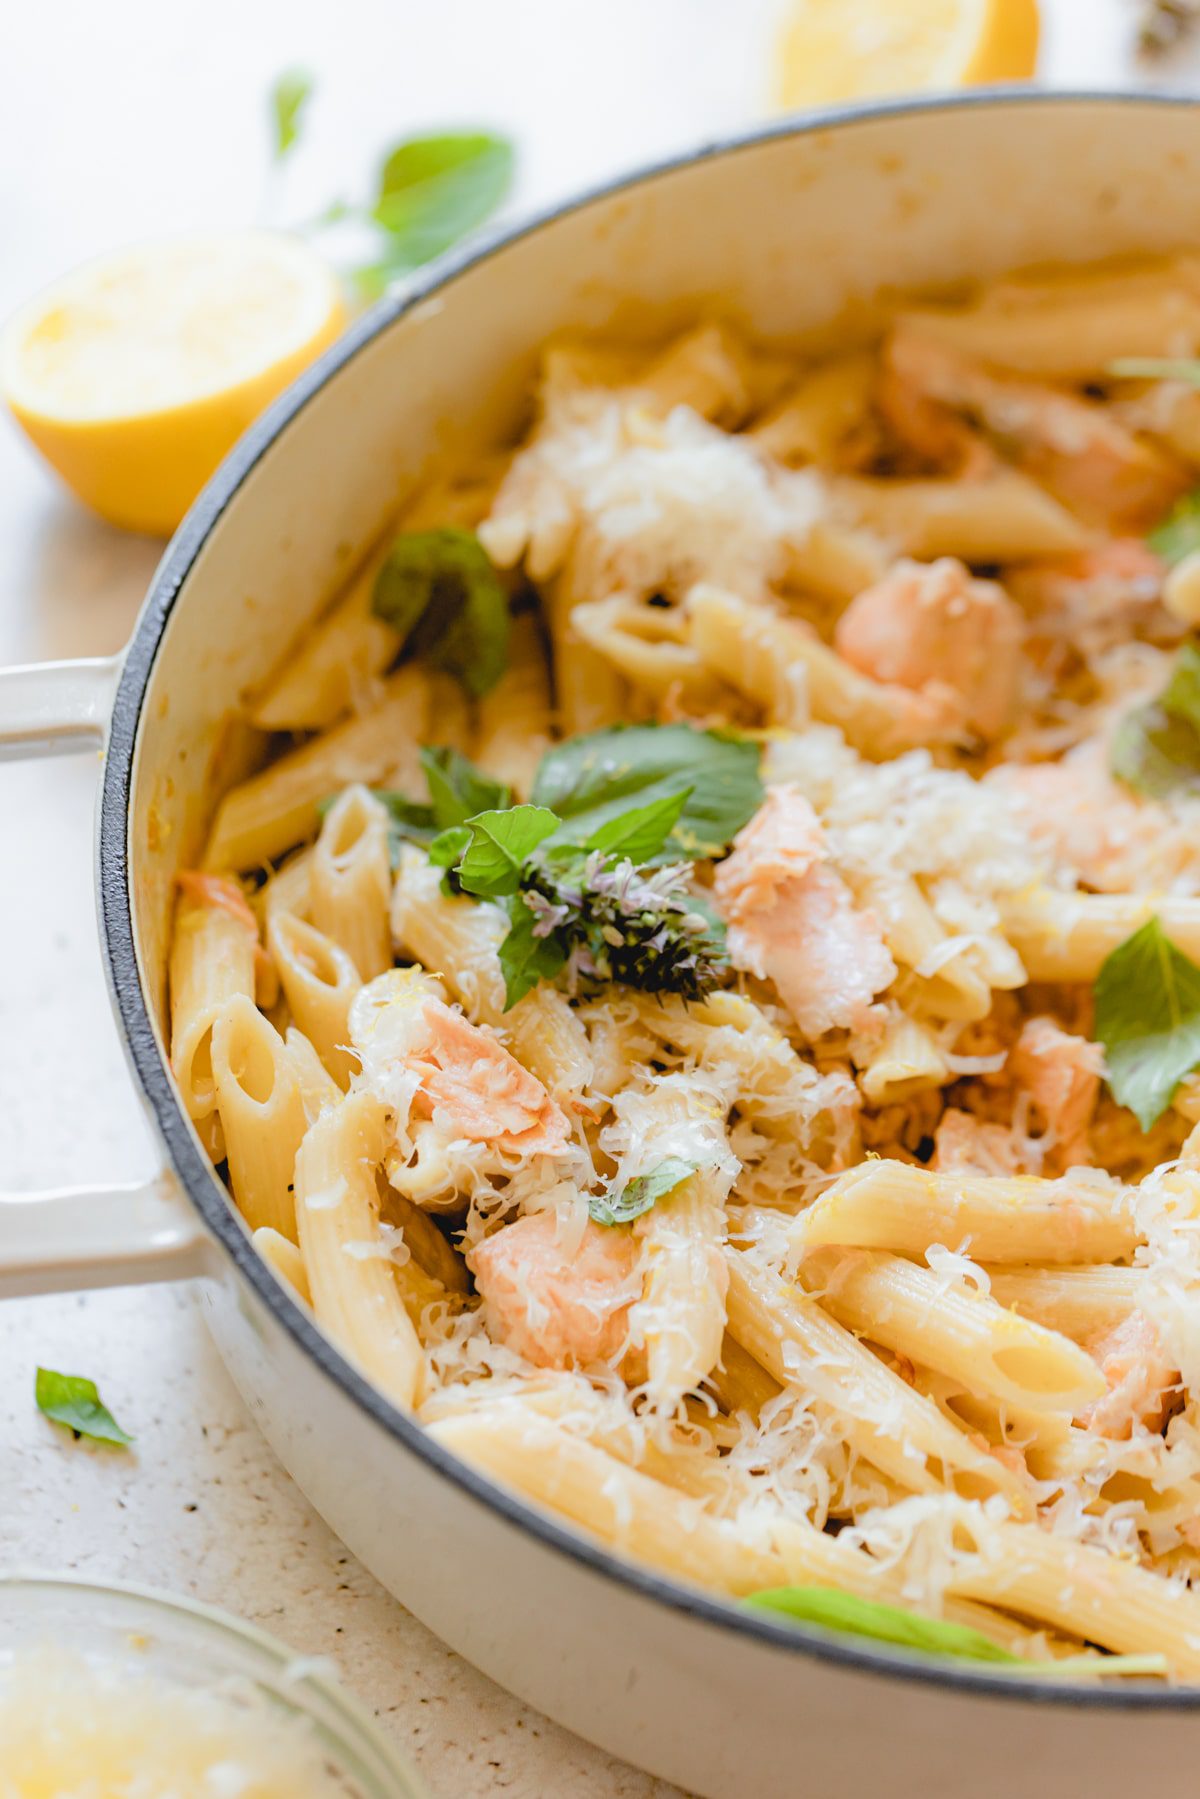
(797, 232)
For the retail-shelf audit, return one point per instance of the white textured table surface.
(115, 123)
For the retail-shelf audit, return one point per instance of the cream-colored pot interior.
(798, 236)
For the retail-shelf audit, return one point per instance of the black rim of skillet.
(206, 1193)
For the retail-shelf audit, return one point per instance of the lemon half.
(136, 374)
(847, 49)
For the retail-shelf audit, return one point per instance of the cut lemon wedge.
(136, 374)
(846, 49)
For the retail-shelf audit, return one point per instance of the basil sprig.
(1156, 747)
(440, 594)
(1147, 998)
(593, 780)
(74, 1400)
(457, 791)
(594, 872)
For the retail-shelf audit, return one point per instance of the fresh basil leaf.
(457, 789)
(639, 1194)
(1178, 535)
(830, 1609)
(1148, 1019)
(590, 781)
(449, 845)
(641, 833)
(526, 958)
(408, 822)
(500, 843)
(1156, 368)
(290, 96)
(73, 1400)
(442, 597)
(1156, 748)
(432, 192)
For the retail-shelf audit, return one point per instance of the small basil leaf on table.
(73, 1400)
(642, 1192)
(830, 1609)
(592, 780)
(444, 600)
(290, 95)
(1147, 998)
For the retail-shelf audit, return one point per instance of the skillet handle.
(75, 1237)
(52, 708)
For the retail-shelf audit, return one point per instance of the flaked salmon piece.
(465, 1079)
(931, 627)
(1142, 1384)
(470, 1083)
(964, 1144)
(1061, 1073)
(793, 920)
(1086, 820)
(557, 1306)
(1085, 456)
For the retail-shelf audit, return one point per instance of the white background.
(120, 121)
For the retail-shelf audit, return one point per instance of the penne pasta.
(355, 1297)
(262, 1114)
(350, 881)
(212, 962)
(890, 1205)
(956, 1330)
(320, 981)
(273, 811)
(887, 1422)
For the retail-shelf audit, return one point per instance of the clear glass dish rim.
(211, 1620)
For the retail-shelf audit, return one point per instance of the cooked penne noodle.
(212, 961)
(957, 1330)
(273, 811)
(339, 665)
(514, 718)
(622, 1507)
(1000, 517)
(350, 881)
(907, 1061)
(1066, 936)
(785, 668)
(887, 1422)
(827, 406)
(355, 1296)
(285, 1258)
(890, 1205)
(1082, 1303)
(320, 981)
(262, 1114)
